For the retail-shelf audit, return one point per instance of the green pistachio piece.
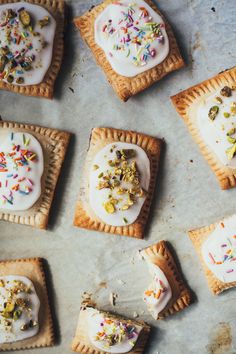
(17, 314)
(213, 112)
(109, 207)
(44, 22)
(10, 79)
(231, 132)
(25, 18)
(3, 62)
(226, 114)
(231, 140)
(226, 91)
(230, 152)
(219, 99)
(20, 80)
(125, 154)
(24, 327)
(9, 307)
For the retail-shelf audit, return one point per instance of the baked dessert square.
(31, 45)
(31, 158)
(25, 315)
(216, 248)
(102, 332)
(118, 182)
(209, 110)
(168, 293)
(132, 42)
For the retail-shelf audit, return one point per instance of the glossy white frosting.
(214, 132)
(159, 292)
(15, 333)
(43, 56)
(219, 250)
(122, 60)
(98, 197)
(27, 177)
(95, 323)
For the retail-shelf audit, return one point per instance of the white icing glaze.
(29, 182)
(214, 132)
(98, 197)
(220, 247)
(159, 292)
(122, 60)
(15, 333)
(95, 322)
(43, 56)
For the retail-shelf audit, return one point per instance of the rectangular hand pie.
(101, 332)
(119, 180)
(216, 247)
(132, 42)
(167, 293)
(31, 45)
(209, 110)
(25, 315)
(30, 162)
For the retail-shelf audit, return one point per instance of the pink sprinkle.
(229, 271)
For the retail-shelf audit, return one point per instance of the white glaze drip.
(219, 250)
(114, 36)
(16, 334)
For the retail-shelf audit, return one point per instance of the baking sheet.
(187, 195)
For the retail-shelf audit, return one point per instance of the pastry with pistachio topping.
(209, 110)
(120, 176)
(25, 316)
(29, 40)
(19, 308)
(107, 333)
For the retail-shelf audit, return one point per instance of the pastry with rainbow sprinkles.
(29, 40)
(216, 246)
(132, 42)
(118, 183)
(21, 169)
(108, 333)
(30, 162)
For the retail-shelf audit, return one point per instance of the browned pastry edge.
(81, 343)
(184, 100)
(46, 87)
(160, 255)
(126, 87)
(57, 146)
(198, 237)
(46, 335)
(152, 147)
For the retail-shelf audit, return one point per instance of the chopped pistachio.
(226, 91)
(24, 327)
(2, 283)
(125, 220)
(233, 107)
(100, 175)
(10, 79)
(95, 167)
(109, 207)
(25, 18)
(219, 99)
(20, 80)
(230, 152)
(9, 307)
(231, 140)
(33, 323)
(3, 62)
(226, 114)
(213, 112)
(231, 131)
(44, 22)
(17, 314)
(125, 207)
